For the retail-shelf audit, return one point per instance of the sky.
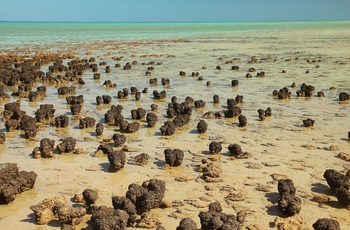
(174, 10)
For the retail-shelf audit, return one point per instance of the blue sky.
(173, 10)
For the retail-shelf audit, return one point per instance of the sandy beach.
(281, 146)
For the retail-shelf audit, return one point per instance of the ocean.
(44, 34)
(275, 54)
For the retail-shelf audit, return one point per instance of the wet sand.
(281, 146)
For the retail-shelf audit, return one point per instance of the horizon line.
(44, 21)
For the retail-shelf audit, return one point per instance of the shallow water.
(280, 139)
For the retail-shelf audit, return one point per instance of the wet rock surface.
(13, 182)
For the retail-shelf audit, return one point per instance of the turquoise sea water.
(43, 34)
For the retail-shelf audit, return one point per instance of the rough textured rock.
(99, 129)
(12, 125)
(149, 220)
(127, 127)
(168, 128)
(308, 122)
(117, 160)
(123, 203)
(46, 211)
(236, 151)
(216, 99)
(75, 108)
(70, 215)
(105, 218)
(75, 99)
(288, 203)
(199, 104)
(326, 224)
(112, 115)
(90, 196)
(106, 149)
(174, 157)
(61, 121)
(181, 120)
(215, 147)
(87, 122)
(242, 121)
(291, 222)
(187, 224)
(147, 196)
(343, 196)
(14, 182)
(286, 187)
(216, 219)
(67, 145)
(119, 139)
(336, 179)
(202, 126)
(45, 112)
(151, 119)
(138, 113)
(141, 159)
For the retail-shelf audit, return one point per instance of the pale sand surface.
(279, 145)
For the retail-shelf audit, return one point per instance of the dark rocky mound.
(215, 147)
(168, 128)
(148, 196)
(242, 120)
(138, 113)
(114, 115)
(45, 150)
(2, 137)
(288, 203)
(232, 112)
(125, 204)
(151, 119)
(105, 149)
(45, 112)
(117, 160)
(343, 196)
(14, 182)
(99, 129)
(87, 122)
(216, 219)
(181, 120)
(336, 179)
(216, 99)
(305, 90)
(202, 126)
(326, 224)
(61, 121)
(159, 95)
(343, 96)
(127, 127)
(105, 218)
(234, 82)
(283, 93)
(174, 157)
(308, 122)
(119, 139)
(75, 99)
(199, 104)
(67, 145)
(75, 108)
(90, 196)
(187, 224)
(236, 151)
